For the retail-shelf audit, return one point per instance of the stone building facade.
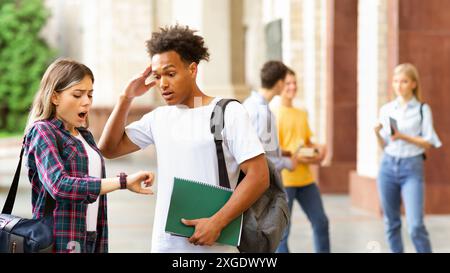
(342, 50)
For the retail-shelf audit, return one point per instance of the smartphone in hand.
(393, 125)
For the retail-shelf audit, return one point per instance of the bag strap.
(424, 156)
(421, 112)
(421, 116)
(10, 200)
(217, 123)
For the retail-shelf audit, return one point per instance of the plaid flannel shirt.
(58, 164)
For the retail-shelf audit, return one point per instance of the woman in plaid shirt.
(65, 164)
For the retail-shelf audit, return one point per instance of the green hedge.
(24, 56)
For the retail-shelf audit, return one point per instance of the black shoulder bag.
(20, 235)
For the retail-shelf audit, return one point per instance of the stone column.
(220, 22)
(403, 31)
(424, 40)
(258, 14)
(109, 37)
(313, 68)
(113, 45)
(372, 89)
(255, 45)
(341, 96)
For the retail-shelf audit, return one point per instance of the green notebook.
(193, 200)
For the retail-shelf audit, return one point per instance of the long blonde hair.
(59, 76)
(411, 72)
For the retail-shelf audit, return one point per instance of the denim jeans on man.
(402, 179)
(311, 202)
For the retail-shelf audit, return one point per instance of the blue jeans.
(311, 203)
(402, 179)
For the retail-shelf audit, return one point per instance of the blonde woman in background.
(404, 132)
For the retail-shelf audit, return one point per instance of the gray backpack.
(265, 221)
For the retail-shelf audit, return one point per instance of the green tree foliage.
(24, 56)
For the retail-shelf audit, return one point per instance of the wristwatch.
(123, 180)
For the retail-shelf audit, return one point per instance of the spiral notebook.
(193, 200)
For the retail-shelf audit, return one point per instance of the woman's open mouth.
(82, 115)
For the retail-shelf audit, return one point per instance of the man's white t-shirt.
(185, 148)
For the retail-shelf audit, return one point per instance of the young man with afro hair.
(184, 144)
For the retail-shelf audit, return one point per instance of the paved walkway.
(131, 218)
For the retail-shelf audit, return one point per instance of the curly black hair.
(272, 72)
(180, 39)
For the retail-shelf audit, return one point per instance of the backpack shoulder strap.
(217, 124)
(421, 112)
(421, 117)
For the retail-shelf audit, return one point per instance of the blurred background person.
(295, 140)
(404, 132)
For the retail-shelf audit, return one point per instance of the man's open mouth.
(168, 95)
